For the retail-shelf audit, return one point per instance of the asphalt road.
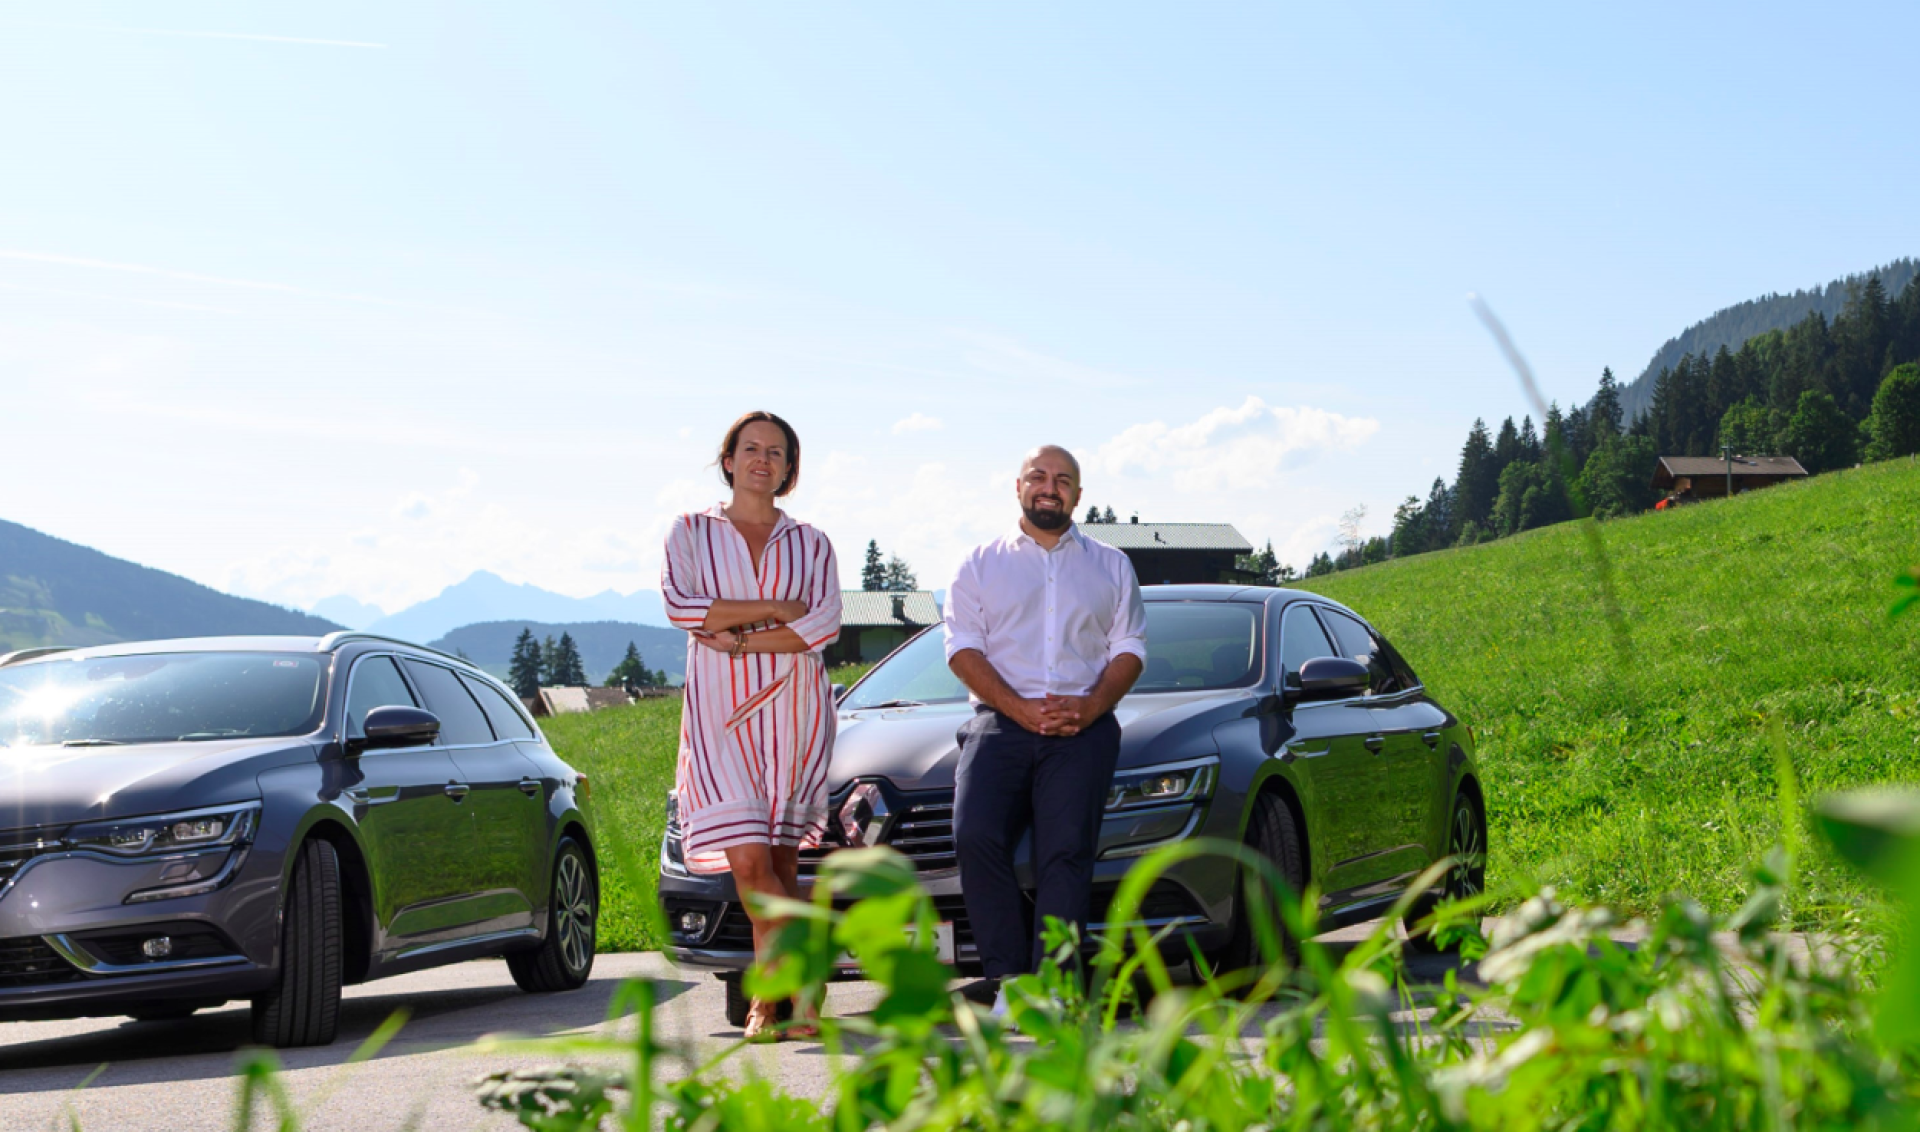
(180, 1076)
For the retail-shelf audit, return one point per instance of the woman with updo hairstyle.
(759, 596)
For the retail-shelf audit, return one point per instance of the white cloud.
(918, 422)
(1245, 447)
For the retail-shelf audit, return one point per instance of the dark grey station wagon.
(1272, 717)
(187, 822)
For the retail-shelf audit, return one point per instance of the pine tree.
(1409, 528)
(568, 672)
(523, 671)
(1603, 412)
(631, 670)
(1439, 515)
(898, 577)
(1506, 447)
(873, 572)
(1093, 515)
(1479, 479)
(1529, 441)
(549, 661)
(1108, 516)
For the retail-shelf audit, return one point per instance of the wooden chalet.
(1705, 477)
(1175, 553)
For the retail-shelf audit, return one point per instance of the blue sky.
(358, 298)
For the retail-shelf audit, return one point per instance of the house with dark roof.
(875, 622)
(1176, 553)
(1705, 477)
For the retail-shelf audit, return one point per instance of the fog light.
(159, 947)
(693, 923)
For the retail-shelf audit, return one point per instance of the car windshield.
(1191, 645)
(159, 698)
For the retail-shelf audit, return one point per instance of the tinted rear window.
(507, 723)
(461, 723)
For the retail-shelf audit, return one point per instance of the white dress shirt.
(1049, 621)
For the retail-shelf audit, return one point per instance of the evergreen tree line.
(557, 664)
(1829, 393)
(888, 575)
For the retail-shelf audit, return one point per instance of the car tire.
(738, 1003)
(1467, 845)
(303, 1007)
(564, 958)
(1272, 833)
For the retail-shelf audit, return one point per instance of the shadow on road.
(200, 1047)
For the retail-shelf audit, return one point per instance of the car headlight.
(1189, 781)
(168, 833)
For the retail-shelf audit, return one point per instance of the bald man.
(1046, 628)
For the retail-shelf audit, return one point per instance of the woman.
(759, 595)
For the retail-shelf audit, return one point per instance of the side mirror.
(839, 691)
(397, 726)
(1329, 678)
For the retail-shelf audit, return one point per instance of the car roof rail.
(334, 640)
(28, 654)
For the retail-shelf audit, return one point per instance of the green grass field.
(1619, 777)
(1624, 772)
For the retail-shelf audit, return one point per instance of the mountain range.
(485, 597)
(1732, 326)
(601, 644)
(54, 592)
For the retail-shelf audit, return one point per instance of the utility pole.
(1726, 450)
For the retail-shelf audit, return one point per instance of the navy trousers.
(1009, 781)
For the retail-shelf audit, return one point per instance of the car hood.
(59, 785)
(917, 748)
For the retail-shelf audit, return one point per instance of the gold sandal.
(762, 1022)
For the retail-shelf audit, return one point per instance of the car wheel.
(1467, 845)
(1272, 833)
(737, 1004)
(565, 958)
(303, 1008)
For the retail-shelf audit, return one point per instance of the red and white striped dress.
(756, 732)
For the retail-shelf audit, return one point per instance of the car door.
(517, 836)
(415, 836)
(488, 771)
(1409, 757)
(1330, 743)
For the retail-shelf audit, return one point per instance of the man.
(1047, 630)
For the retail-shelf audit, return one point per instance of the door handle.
(1374, 743)
(458, 791)
(1432, 739)
(363, 796)
(530, 787)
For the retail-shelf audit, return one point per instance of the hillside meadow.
(1625, 765)
(1619, 768)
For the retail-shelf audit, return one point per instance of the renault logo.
(864, 817)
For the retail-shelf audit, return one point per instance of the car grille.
(29, 962)
(923, 832)
(17, 849)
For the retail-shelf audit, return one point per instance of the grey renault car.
(1272, 717)
(184, 823)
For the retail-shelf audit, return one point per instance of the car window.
(461, 721)
(1357, 643)
(161, 698)
(1301, 639)
(1403, 673)
(376, 683)
(1200, 644)
(507, 723)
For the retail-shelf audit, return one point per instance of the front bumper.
(72, 944)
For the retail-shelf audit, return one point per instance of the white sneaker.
(999, 1011)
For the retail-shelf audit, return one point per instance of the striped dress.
(756, 733)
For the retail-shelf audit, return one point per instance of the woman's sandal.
(763, 1022)
(806, 1024)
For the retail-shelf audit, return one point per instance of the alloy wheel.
(1468, 853)
(573, 912)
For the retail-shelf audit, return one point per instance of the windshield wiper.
(198, 736)
(92, 743)
(890, 703)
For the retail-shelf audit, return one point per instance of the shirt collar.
(1068, 537)
(780, 526)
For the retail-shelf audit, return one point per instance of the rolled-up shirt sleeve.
(686, 607)
(821, 626)
(966, 620)
(1128, 636)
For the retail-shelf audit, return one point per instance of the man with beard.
(1046, 628)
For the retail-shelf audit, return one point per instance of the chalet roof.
(1742, 466)
(1168, 536)
(873, 609)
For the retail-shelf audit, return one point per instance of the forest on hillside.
(1830, 392)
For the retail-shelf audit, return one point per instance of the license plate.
(942, 947)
